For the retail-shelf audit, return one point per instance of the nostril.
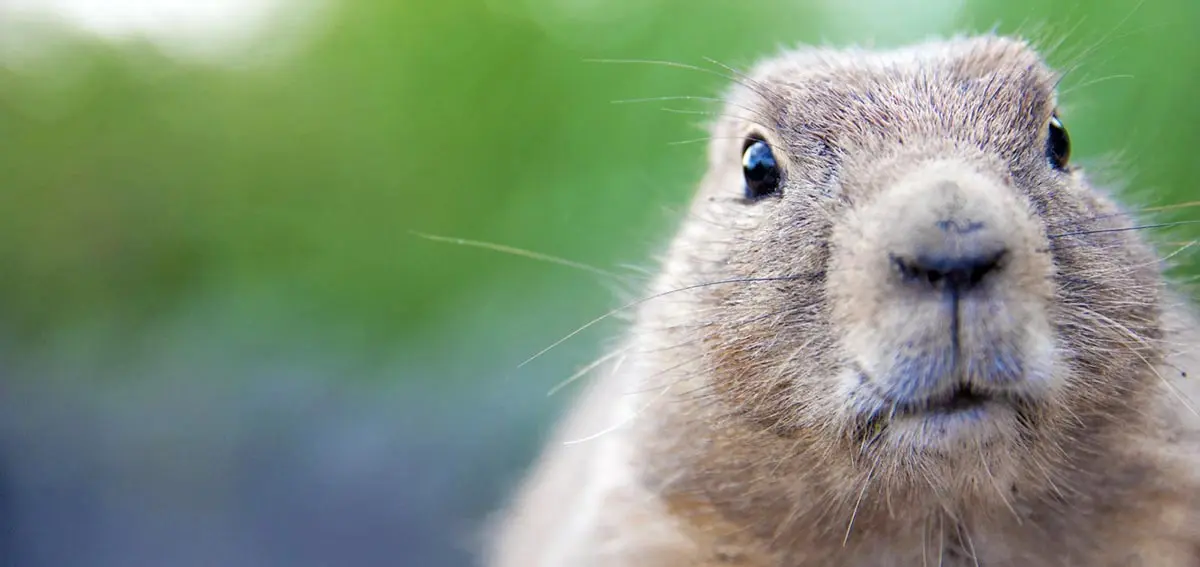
(959, 227)
(958, 272)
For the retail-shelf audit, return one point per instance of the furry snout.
(947, 240)
(941, 288)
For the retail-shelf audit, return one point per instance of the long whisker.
(752, 111)
(734, 76)
(1124, 229)
(753, 86)
(1140, 340)
(517, 252)
(752, 116)
(1174, 206)
(621, 423)
(996, 485)
(1098, 44)
(1154, 209)
(857, 503)
(700, 140)
(754, 121)
(630, 305)
(966, 533)
(585, 370)
(664, 63)
(1182, 246)
(666, 98)
(746, 80)
(1095, 82)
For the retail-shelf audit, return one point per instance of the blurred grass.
(165, 221)
(136, 182)
(142, 181)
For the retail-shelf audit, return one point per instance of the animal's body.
(913, 334)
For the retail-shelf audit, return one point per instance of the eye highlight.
(1058, 144)
(760, 170)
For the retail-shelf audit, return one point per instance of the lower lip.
(937, 428)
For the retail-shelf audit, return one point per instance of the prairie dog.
(898, 327)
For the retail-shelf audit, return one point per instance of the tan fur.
(744, 425)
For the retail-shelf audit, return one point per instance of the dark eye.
(760, 170)
(1058, 144)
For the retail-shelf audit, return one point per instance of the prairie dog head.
(924, 278)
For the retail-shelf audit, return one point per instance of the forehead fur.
(992, 92)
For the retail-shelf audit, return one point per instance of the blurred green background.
(221, 344)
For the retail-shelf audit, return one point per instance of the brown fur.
(743, 425)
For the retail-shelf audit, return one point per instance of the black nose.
(959, 264)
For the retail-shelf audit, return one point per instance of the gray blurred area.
(291, 470)
(316, 461)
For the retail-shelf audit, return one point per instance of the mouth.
(965, 410)
(961, 399)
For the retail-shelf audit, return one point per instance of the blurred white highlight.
(205, 29)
